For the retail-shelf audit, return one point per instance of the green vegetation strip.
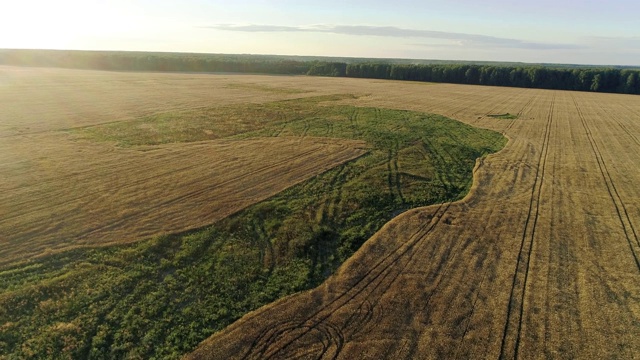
(506, 116)
(207, 123)
(159, 298)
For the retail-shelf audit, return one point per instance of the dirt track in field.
(541, 260)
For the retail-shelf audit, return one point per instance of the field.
(88, 193)
(540, 259)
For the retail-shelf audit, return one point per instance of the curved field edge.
(65, 194)
(161, 297)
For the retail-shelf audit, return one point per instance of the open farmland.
(96, 262)
(59, 191)
(539, 260)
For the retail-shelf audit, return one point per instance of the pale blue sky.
(583, 32)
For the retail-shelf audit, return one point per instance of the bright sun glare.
(59, 24)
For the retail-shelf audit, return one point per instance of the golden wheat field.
(540, 260)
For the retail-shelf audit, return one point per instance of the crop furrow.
(200, 192)
(515, 309)
(621, 209)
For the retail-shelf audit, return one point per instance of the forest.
(613, 79)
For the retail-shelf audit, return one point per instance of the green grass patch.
(207, 123)
(506, 116)
(159, 298)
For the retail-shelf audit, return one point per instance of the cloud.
(458, 39)
(257, 28)
(627, 43)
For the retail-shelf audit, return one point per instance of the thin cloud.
(460, 39)
(257, 28)
(628, 43)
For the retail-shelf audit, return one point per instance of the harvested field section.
(58, 193)
(538, 261)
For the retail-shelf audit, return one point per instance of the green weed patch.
(506, 116)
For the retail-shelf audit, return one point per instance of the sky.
(602, 32)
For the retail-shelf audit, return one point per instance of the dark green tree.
(595, 84)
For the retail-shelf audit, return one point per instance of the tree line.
(612, 80)
(580, 78)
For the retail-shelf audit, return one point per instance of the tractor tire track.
(361, 285)
(372, 300)
(515, 310)
(398, 251)
(621, 209)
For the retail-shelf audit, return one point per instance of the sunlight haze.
(581, 32)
